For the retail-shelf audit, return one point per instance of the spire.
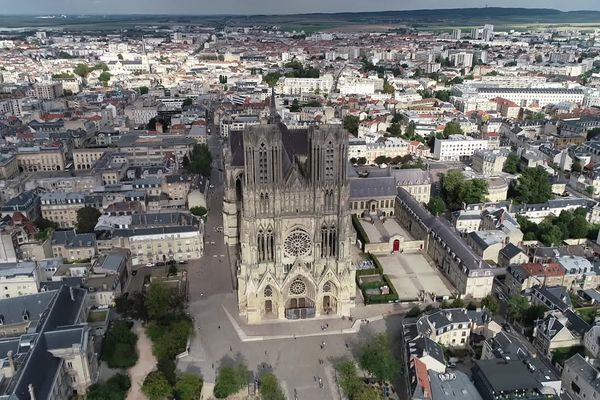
(274, 118)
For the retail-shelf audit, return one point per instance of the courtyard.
(411, 273)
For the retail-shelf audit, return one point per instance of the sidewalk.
(146, 363)
(320, 326)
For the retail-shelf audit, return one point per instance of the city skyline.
(37, 7)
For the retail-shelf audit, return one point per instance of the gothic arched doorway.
(268, 306)
(300, 303)
(329, 304)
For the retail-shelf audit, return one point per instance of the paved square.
(411, 273)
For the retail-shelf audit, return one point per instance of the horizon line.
(55, 14)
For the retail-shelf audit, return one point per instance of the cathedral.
(286, 211)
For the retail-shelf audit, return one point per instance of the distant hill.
(316, 21)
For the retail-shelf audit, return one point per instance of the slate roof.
(505, 375)
(422, 346)
(372, 187)
(12, 309)
(585, 371)
(510, 250)
(64, 310)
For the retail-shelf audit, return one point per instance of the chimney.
(11, 365)
(31, 393)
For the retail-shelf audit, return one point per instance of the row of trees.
(554, 230)
(156, 386)
(521, 311)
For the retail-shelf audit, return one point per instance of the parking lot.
(412, 273)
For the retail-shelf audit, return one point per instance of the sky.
(199, 7)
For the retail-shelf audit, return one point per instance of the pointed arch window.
(329, 161)
(268, 292)
(261, 250)
(270, 251)
(263, 172)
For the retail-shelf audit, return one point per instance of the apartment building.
(523, 97)
(154, 150)
(581, 378)
(73, 246)
(559, 329)
(86, 158)
(18, 279)
(9, 166)
(525, 276)
(489, 162)
(62, 207)
(47, 91)
(458, 147)
(237, 122)
(111, 167)
(155, 237)
(298, 86)
(61, 365)
(33, 159)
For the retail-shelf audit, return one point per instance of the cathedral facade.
(286, 211)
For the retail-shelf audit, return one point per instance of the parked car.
(150, 264)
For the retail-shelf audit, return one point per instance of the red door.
(396, 245)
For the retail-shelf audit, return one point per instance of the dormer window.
(26, 316)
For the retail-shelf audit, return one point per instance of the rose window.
(297, 244)
(297, 287)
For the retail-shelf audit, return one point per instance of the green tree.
(271, 78)
(270, 389)
(104, 77)
(457, 303)
(143, 90)
(490, 303)
(517, 305)
(101, 66)
(410, 129)
(436, 205)
(187, 102)
(443, 95)
(377, 358)
(158, 301)
(230, 380)
(576, 166)
(578, 227)
(592, 133)
(452, 128)
(82, 70)
(114, 388)
(415, 311)
(382, 160)
(361, 160)
(185, 162)
(119, 347)
(456, 190)
(156, 386)
(350, 124)
(43, 223)
(394, 130)
(533, 313)
(295, 107)
(188, 387)
(533, 186)
(551, 235)
(87, 218)
(388, 88)
(511, 164)
(198, 211)
(590, 190)
(200, 160)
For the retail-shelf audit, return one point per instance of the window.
(69, 364)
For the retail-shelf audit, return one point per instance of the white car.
(150, 264)
(211, 186)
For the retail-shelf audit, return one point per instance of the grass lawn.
(562, 354)
(587, 313)
(97, 316)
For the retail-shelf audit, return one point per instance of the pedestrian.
(213, 365)
(327, 325)
(230, 348)
(265, 352)
(219, 326)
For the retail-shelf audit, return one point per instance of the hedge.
(382, 298)
(359, 229)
